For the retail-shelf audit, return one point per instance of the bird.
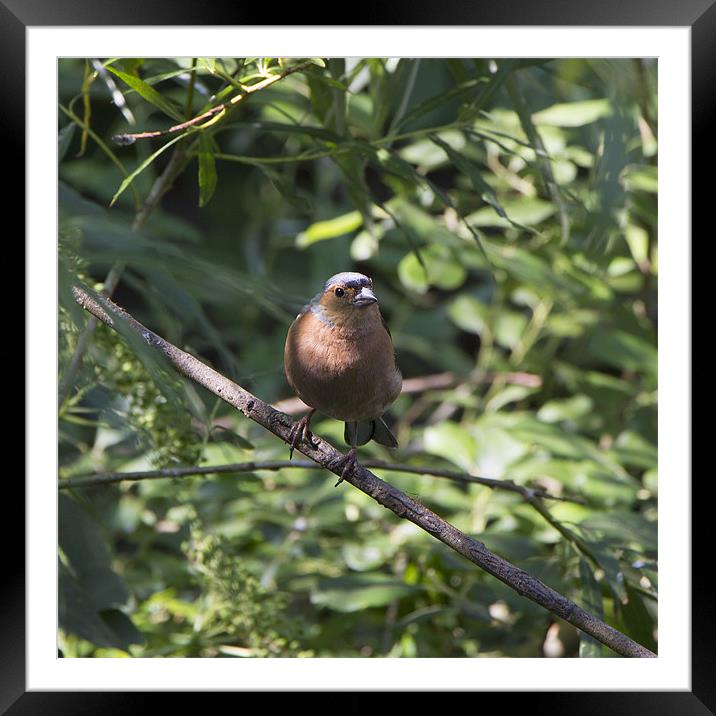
(339, 359)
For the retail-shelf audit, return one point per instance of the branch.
(382, 492)
(107, 478)
(211, 114)
(68, 379)
(436, 381)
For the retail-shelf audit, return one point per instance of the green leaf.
(353, 594)
(392, 163)
(613, 573)
(631, 448)
(428, 155)
(439, 100)
(64, 139)
(443, 270)
(510, 394)
(122, 628)
(326, 135)
(365, 245)
(89, 591)
(321, 97)
(207, 171)
(78, 615)
(509, 328)
(473, 171)
(222, 434)
(84, 548)
(565, 409)
(589, 647)
(638, 240)
(526, 211)
(497, 448)
(640, 178)
(330, 82)
(287, 189)
(365, 556)
(113, 158)
(128, 180)
(208, 63)
(623, 350)
(639, 621)
(573, 114)
(162, 76)
(131, 64)
(453, 442)
(469, 313)
(382, 94)
(625, 527)
(148, 93)
(329, 229)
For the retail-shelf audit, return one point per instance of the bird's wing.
(382, 434)
(360, 432)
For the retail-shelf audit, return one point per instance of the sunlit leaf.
(207, 171)
(329, 229)
(554, 411)
(573, 114)
(642, 179)
(452, 442)
(443, 271)
(526, 211)
(148, 93)
(128, 180)
(469, 313)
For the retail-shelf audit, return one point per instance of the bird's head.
(348, 296)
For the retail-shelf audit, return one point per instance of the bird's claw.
(349, 462)
(300, 431)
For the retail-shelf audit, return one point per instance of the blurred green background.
(506, 211)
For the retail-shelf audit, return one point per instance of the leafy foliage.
(506, 210)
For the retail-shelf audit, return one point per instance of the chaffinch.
(339, 359)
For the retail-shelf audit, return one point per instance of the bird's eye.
(339, 292)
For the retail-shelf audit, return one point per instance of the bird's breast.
(347, 374)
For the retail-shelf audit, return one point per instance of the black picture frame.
(699, 15)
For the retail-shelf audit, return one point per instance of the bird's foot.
(300, 431)
(348, 462)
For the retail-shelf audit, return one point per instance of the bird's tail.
(361, 432)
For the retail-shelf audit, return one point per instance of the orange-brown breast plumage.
(339, 355)
(346, 370)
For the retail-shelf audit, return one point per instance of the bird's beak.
(364, 297)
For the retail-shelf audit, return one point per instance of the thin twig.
(435, 381)
(382, 492)
(568, 534)
(340, 149)
(130, 138)
(105, 478)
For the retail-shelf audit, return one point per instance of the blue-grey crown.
(348, 278)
